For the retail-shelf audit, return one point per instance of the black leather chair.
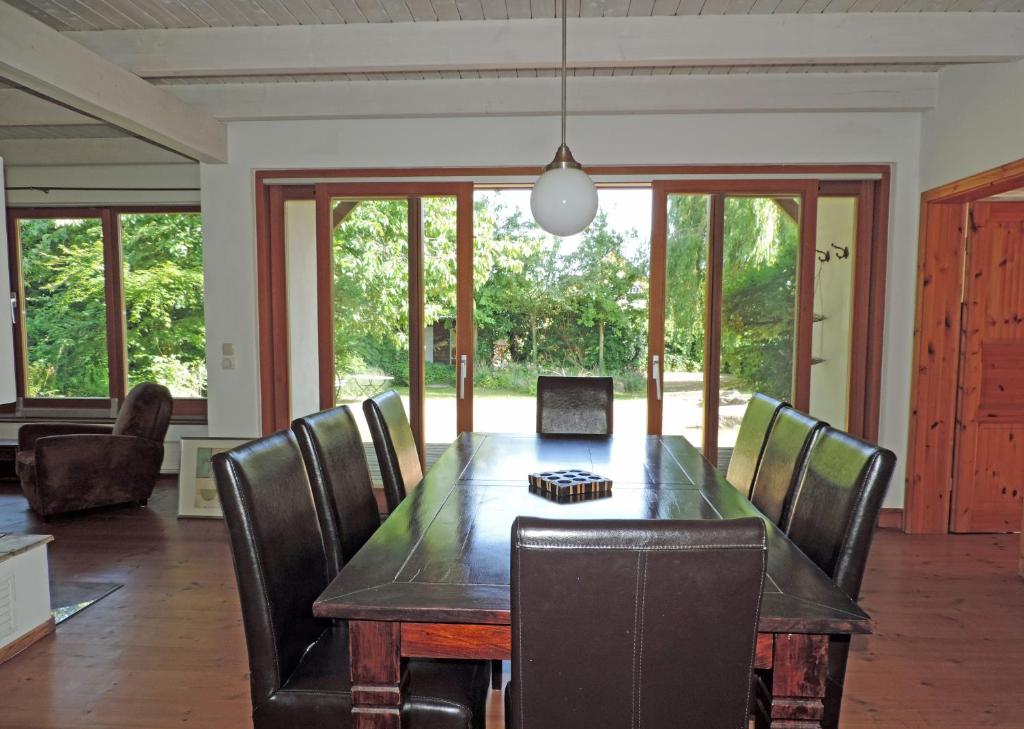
(750, 441)
(299, 674)
(400, 467)
(832, 519)
(634, 623)
(574, 405)
(784, 455)
(336, 463)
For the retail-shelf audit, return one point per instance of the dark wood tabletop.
(443, 555)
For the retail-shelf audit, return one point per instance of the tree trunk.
(533, 340)
(600, 347)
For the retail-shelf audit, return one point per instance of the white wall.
(977, 124)
(303, 342)
(178, 183)
(833, 299)
(228, 213)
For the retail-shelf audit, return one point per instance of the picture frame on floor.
(197, 490)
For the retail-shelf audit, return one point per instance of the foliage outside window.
(64, 307)
(66, 319)
(163, 295)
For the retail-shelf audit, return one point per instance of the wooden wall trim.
(969, 189)
(656, 304)
(713, 324)
(325, 296)
(805, 297)
(890, 519)
(935, 367)
(417, 378)
(465, 327)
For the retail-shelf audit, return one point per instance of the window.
(106, 298)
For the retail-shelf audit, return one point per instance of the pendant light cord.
(564, 26)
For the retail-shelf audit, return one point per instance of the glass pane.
(759, 286)
(833, 305)
(439, 240)
(562, 306)
(686, 266)
(163, 297)
(371, 300)
(64, 308)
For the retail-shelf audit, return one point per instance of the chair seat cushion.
(440, 694)
(25, 462)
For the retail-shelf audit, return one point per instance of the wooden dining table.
(433, 581)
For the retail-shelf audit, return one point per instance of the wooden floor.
(167, 650)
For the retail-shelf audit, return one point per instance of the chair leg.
(496, 675)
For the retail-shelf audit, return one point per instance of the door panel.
(989, 462)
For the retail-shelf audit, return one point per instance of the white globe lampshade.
(564, 201)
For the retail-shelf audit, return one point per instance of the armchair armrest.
(29, 433)
(97, 469)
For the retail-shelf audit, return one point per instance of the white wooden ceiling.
(136, 14)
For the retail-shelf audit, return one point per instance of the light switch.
(227, 349)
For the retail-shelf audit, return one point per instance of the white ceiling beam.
(83, 151)
(704, 40)
(600, 95)
(39, 58)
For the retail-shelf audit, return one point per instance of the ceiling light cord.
(565, 24)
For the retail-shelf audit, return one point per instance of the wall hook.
(823, 256)
(841, 251)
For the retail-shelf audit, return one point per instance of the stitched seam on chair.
(640, 630)
(757, 619)
(518, 669)
(259, 578)
(636, 623)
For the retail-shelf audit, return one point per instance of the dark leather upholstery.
(634, 623)
(750, 441)
(336, 463)
(784, 455)
(67, 467)
(399, 461)
(299, 664)
(832, 519)
(574, 405)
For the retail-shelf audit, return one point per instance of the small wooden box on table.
(433, 581)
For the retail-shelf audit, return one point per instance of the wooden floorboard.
(167, 650)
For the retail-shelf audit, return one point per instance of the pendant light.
(564, 199)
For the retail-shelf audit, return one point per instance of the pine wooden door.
(989, 465)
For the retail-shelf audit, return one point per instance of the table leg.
(799, 669)
(375, 664)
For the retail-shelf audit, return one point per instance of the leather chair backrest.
(278, 553)
(574, 405)
(836, 505)
(785, 452)
(394, 444)
(750, 441)
(634, 623)
(342, 490)
(146, 412)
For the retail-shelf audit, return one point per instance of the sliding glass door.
(559, 306)
(731, 310)
(387, 272)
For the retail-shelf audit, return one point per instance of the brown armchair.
(69, 466)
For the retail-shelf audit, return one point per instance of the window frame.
(114, 309)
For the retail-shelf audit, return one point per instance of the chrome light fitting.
(564, 199)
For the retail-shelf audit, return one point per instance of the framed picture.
(197, 491)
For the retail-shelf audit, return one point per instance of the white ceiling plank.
(470, 9)
(764, 7)
(591, 8)
(46, 62)
(132, 15)
(518, 9)
(27, 6)
(300, 11)
(640, 8)
(609, 42)
(863, 6)
(264, 12)
(86, 11)
(495, 9)
(83, 151)
(714, 7)
(665, 7)
(542, 8)
(445, 9)
(372, 10)
(326, 11)
(422, 10)
(616, 8)
(397, 11)
(839, 6)
(19, 108)
(690, 7)
(479, 93)
(163, 18)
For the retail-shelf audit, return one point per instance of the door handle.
(463, 367)
(656, 374)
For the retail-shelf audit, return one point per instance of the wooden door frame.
(717, 191)
(936, 354)
(273, 371)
